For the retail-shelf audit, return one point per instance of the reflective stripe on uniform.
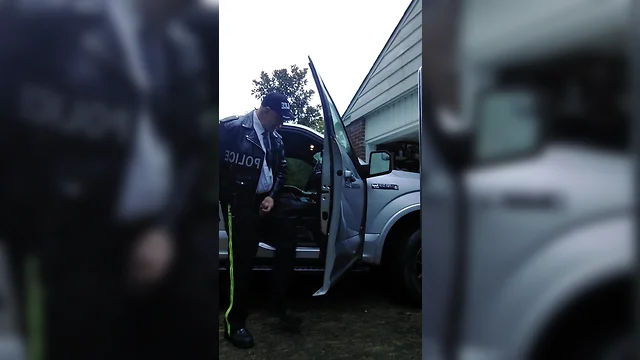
(230, 224)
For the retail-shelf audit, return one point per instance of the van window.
(585, 99)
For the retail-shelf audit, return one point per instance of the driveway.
(354, 321)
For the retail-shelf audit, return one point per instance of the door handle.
(531, 201)
(348, 176)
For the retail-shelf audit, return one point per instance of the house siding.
(394, 73)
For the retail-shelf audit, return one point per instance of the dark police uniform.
(70, 113)
(241, 162)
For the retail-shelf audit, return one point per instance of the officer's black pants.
(245, 229)
(94, 312)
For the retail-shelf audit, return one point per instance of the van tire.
(402, 269)
(614, 344)
(598, 327)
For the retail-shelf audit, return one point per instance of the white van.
(529, 201)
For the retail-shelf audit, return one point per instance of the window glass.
(298, 172)
(341, 132)
(585, 99)
(508, 123)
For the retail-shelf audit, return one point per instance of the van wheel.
(622, 348)
(405, 269)
(598, 329)
(618, 346)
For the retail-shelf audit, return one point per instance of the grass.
(355, 320)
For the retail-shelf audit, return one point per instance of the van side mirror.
(508, 124)
(380, 163)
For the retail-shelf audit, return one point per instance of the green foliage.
(292, 83)
(298, 173)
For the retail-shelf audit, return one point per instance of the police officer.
(252, 170)
(104, 129)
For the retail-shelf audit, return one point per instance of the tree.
(293, 84)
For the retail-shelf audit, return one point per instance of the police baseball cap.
(279, 104)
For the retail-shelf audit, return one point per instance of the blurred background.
(527, 177)
(74, 80)
(526, 147)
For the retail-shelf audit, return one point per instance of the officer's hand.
(266, 205)
(152, 256)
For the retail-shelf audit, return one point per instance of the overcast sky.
(343, 37)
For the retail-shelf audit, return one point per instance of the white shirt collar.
(126, 18)
(130, 12)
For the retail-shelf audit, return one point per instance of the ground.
(356, 320)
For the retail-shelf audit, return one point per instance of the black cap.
(278, 103)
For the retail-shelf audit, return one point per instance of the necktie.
(267, 147)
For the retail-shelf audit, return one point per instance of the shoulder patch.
(229, 118)
(83, 7)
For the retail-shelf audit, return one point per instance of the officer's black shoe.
(240, 338)
(287, 321)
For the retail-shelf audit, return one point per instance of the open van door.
(343, 193)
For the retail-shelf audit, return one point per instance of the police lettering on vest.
(94, 120)
(242, 159)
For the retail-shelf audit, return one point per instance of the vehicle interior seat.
(302, 208)
(299, 200)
